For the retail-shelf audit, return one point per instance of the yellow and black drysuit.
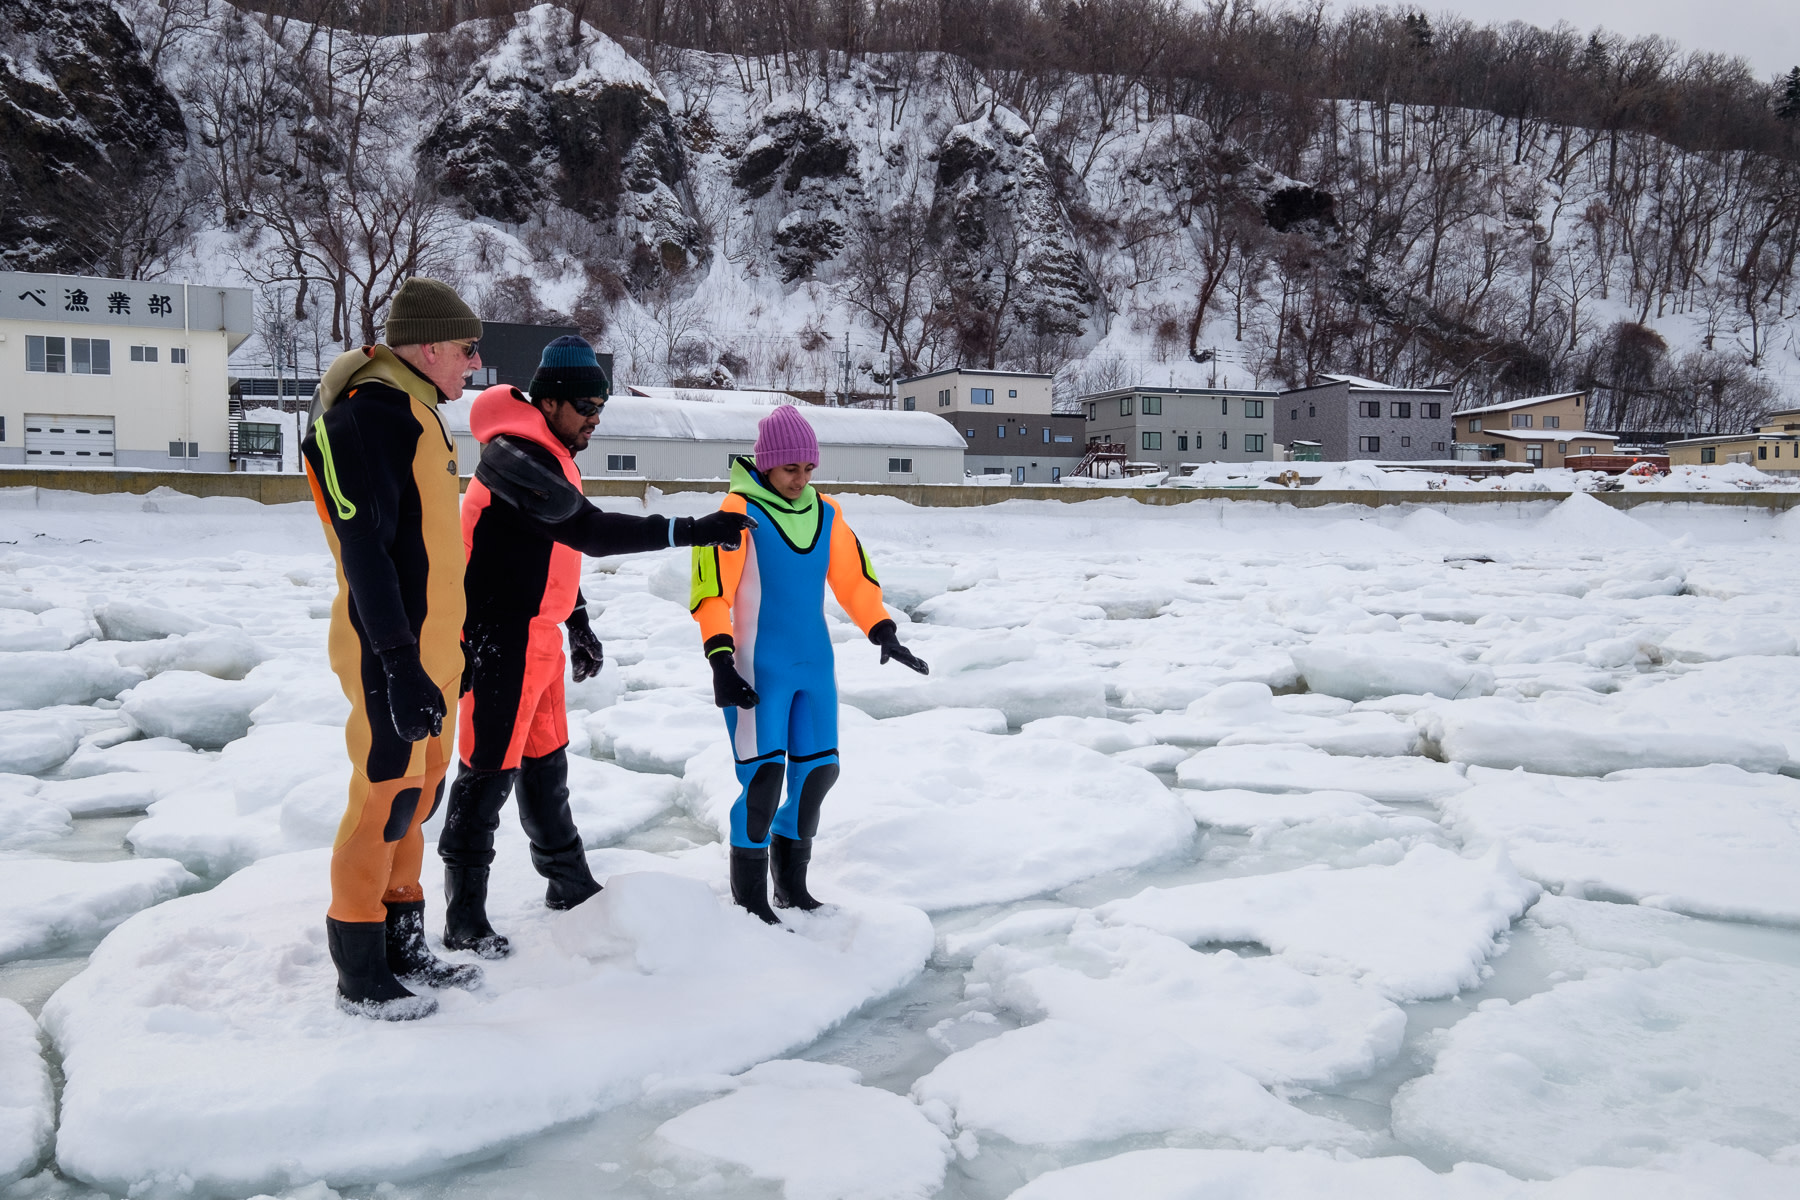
(382, 467)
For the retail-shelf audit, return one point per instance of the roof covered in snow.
(714, 395)
(654, 417)
(1548, 435)
(1508, 405)
(1359, 384)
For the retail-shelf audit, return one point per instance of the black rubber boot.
(787, 863)
(412, 961)
(750, 882)
(465, 914)
(366, 985)
(556, 849)
(467, 848)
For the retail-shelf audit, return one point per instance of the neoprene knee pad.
(762, 798)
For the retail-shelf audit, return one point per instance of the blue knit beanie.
(569, 370)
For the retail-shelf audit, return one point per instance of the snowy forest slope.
(751, 201)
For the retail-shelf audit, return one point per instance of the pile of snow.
(1249, 714)
(1574, 738)
(39, 679)
(196, 708)
(45, 901)
(1356, 673)
(1303, 769)
(32, 743)
(26, 1104)
(215, 1011)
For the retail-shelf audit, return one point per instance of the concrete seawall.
(291, 489)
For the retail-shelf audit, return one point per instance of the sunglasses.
(584, 406)
(469, 349)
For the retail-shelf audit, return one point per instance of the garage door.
(52, 441)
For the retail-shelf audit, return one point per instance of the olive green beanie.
(425, 310)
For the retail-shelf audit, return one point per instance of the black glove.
(885, 636)
(468, 675)
(729, 688)
(714, 529)
(416, 703)
(585, 654)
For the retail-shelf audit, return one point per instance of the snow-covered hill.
(709, 215)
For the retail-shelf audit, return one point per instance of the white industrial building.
(116, 372)
(695, 435)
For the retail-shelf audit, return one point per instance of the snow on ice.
(1156, 742)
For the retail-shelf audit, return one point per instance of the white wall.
(667, 458)
(1033, 392)
(152, 404)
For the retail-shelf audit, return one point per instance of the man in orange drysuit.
(525, 527)
(382, 467)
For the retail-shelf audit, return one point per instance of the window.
(1253, 408)
(1406, 443)
(621, 462)
(1587, 450)
(1012, 393)
(1124, 406)
(178, 354)
(1368, 408)
(1312, 410)
(993, 470)
(1046, 435)
(1562, 447)
(900, 466)
(1521, 421)
(1709, 454)
(2, 429)
(143, 354)
(1018, 474)
(193, 450)
(91, 356)
(1181, 442)
(1253, 443)
(1762, 452)
(1437, 445)
(1400, 408)
(1432, 411)
(1224, 441)
(1224, 407)
(1153, 406)
(944, 398)
(1534, 453)
(1093, 412)
(909, 403)
(1000, 431)
(1293, 414)
(981, 395)
(1152, 441)
(970, 432)
(49, 355)
(1369, 445)
(1065, 437)
(1055, 474)
(1552, 422)
(1474, 424)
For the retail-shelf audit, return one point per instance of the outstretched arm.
(853, 582)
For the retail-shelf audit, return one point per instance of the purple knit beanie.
(784, 438)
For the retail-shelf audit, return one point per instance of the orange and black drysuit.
(382, 468)
(525, 525)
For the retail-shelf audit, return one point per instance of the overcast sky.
(1767, 32)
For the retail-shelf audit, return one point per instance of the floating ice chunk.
(944, 818)
(1303, 769)
(166, 757)
(659, 734)
(609, 801)
(1060, 1082)
(1753, 696)
(1096, 733)
(1240, 811)
(813, 1128)
(32, 743)
(1711, 841)
(27, 816)
(1357, 673)
(26, 1103)
(1424, 927)
(131, 621)
(1576, 738)
(300, 689)
(1211, 1174)
(38, 679)
(221, 653)
(312, 811)
(1259, 1015)
(194, 708)
(215, 1011)
(907, 585)
(1154, 758)
(46, 901)
(199, 825)
(1615, 1070)
(1247, 713)
(1009, 672)
(271, 760)
(21, 630)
